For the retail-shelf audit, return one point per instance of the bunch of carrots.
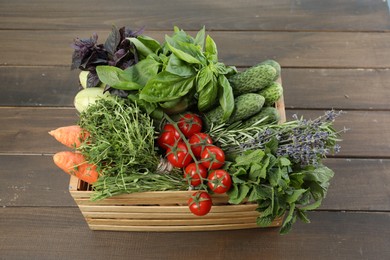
(73, 162)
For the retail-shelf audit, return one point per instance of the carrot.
(71, 136)
(75, 164)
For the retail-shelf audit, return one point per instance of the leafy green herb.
(277, 186)
(117, 51)
(122, 147)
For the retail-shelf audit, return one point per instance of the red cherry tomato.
(178, 155)
(219, 181)
(212, 157)
(196, 173)
(198, 142)
(190, 124)
(200, 203)
(168, 137)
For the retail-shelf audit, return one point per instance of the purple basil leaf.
(92, 79)
(130, 33)
(113, 40)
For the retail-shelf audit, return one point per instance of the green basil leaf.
(200, 37)
(153, 45)
(226, 98)
(204, 76)
(116, 78)
(179, 67)
(166, 86)
(207, 96)
(186, 51)
(142, 71)
(211, 49)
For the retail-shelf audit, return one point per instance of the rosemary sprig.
(305, 142)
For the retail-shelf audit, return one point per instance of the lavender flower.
(304, 141)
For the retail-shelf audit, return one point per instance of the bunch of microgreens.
(122, 147)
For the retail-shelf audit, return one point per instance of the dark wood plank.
(24, 130)
(38, 86)
(52, 233)
(36, 181)
(303, 88)
(216, 15)
(33, 181)
(365, 89)
(291, 49)
(358, 184)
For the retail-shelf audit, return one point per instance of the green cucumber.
(276, 66)
(253, 79)
(266, 116)
(245, 106)
(272, 93)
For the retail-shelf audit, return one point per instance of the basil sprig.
(183, 66)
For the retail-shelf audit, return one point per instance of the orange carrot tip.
(70, 136)
(75, 164)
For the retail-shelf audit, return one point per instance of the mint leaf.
(295, 195)
(243, 190)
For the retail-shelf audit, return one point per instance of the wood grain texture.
(63, 234)
(38, 86)
(303, 88)
(33, 181)
(291, 49)
(337, 15)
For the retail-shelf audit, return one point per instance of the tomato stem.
(202, 185)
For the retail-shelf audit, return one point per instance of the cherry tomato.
(212, 157)
(219, 181)
(190, 124)
(198, 142)
(195, 173)
(200, 203)
(178, 155)
(168, 137)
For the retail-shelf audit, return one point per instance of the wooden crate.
(161, 211)
(165, 210)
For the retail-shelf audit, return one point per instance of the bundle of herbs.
(279, 166)
(121, 145)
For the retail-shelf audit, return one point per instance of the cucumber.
(276, 66)
(245, 106)
(253, 79)
(272, 93)
(267, 115)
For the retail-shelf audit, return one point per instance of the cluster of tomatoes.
(188, 148)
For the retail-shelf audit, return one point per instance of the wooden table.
(334, 54)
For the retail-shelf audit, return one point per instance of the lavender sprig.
(304, 141)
